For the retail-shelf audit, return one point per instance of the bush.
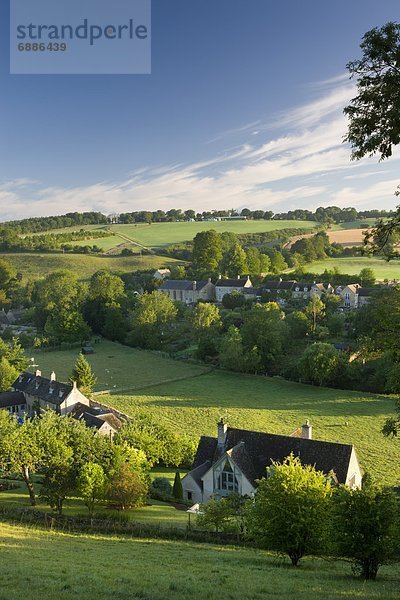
(161, 489)
(366, 527)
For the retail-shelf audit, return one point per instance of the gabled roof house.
(188, 291)
(235, 459)
(43, 393)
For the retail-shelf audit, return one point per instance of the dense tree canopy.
(374, 114)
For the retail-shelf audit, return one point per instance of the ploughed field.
(49, 565)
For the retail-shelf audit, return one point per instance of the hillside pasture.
(37, 266)
(49, 564)
(116, 366)
(191, 399)
(194, 406)
(162, 234)
(353, 265)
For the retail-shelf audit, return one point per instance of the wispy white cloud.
(301, 163)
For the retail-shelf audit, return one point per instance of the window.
(227, 478)
(189, 495)
(347, 296)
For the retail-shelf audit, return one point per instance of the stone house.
(226, 286)
(188, 292)
(14, 402)
(161, 274)
(98, 418)
(42, 393)
(349, 295)
(301, 290)
(319, 289)
(235, 459)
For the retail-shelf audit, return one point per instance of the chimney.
(219, 276)
(38, 373)
(194, 285)
(60, 393)
(209, 280)
(238, 276)
(52, 376)
(74, 386)
(306, 430)
(222, 427)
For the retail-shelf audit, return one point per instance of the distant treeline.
(37, 224)
(326, 215)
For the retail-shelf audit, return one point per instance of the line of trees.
(11, 241)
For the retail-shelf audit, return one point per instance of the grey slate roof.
(303, 287)
(11, 399)
(255, 450)
(40, 387)
(278, 285)
(232, 282)
(182, 284)
(94, 417)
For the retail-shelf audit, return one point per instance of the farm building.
(235, 459)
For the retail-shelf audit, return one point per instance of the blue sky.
(243, 108)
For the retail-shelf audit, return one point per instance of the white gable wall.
(354, 477)
(209, 480)
(73, 398)
(191, 490)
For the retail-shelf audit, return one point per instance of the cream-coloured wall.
(189, 485)
(245, 487)
(73, 398)
(354, 476)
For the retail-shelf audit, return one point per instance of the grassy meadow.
(117, 366)
(192, 399)
(49, 565)
(353, 265)
(36, 266)
(162, 234)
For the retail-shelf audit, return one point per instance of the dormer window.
(305, 288)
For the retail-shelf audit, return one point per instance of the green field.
(197, 401)
(353, 265)
(354, 224)
(36, 266)
(51, 565)
(116, 366)
(162, 234)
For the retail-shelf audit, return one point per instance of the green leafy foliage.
(152, 317)
(366, 526)
(289, 512)
(177, 489)
(83, 375)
